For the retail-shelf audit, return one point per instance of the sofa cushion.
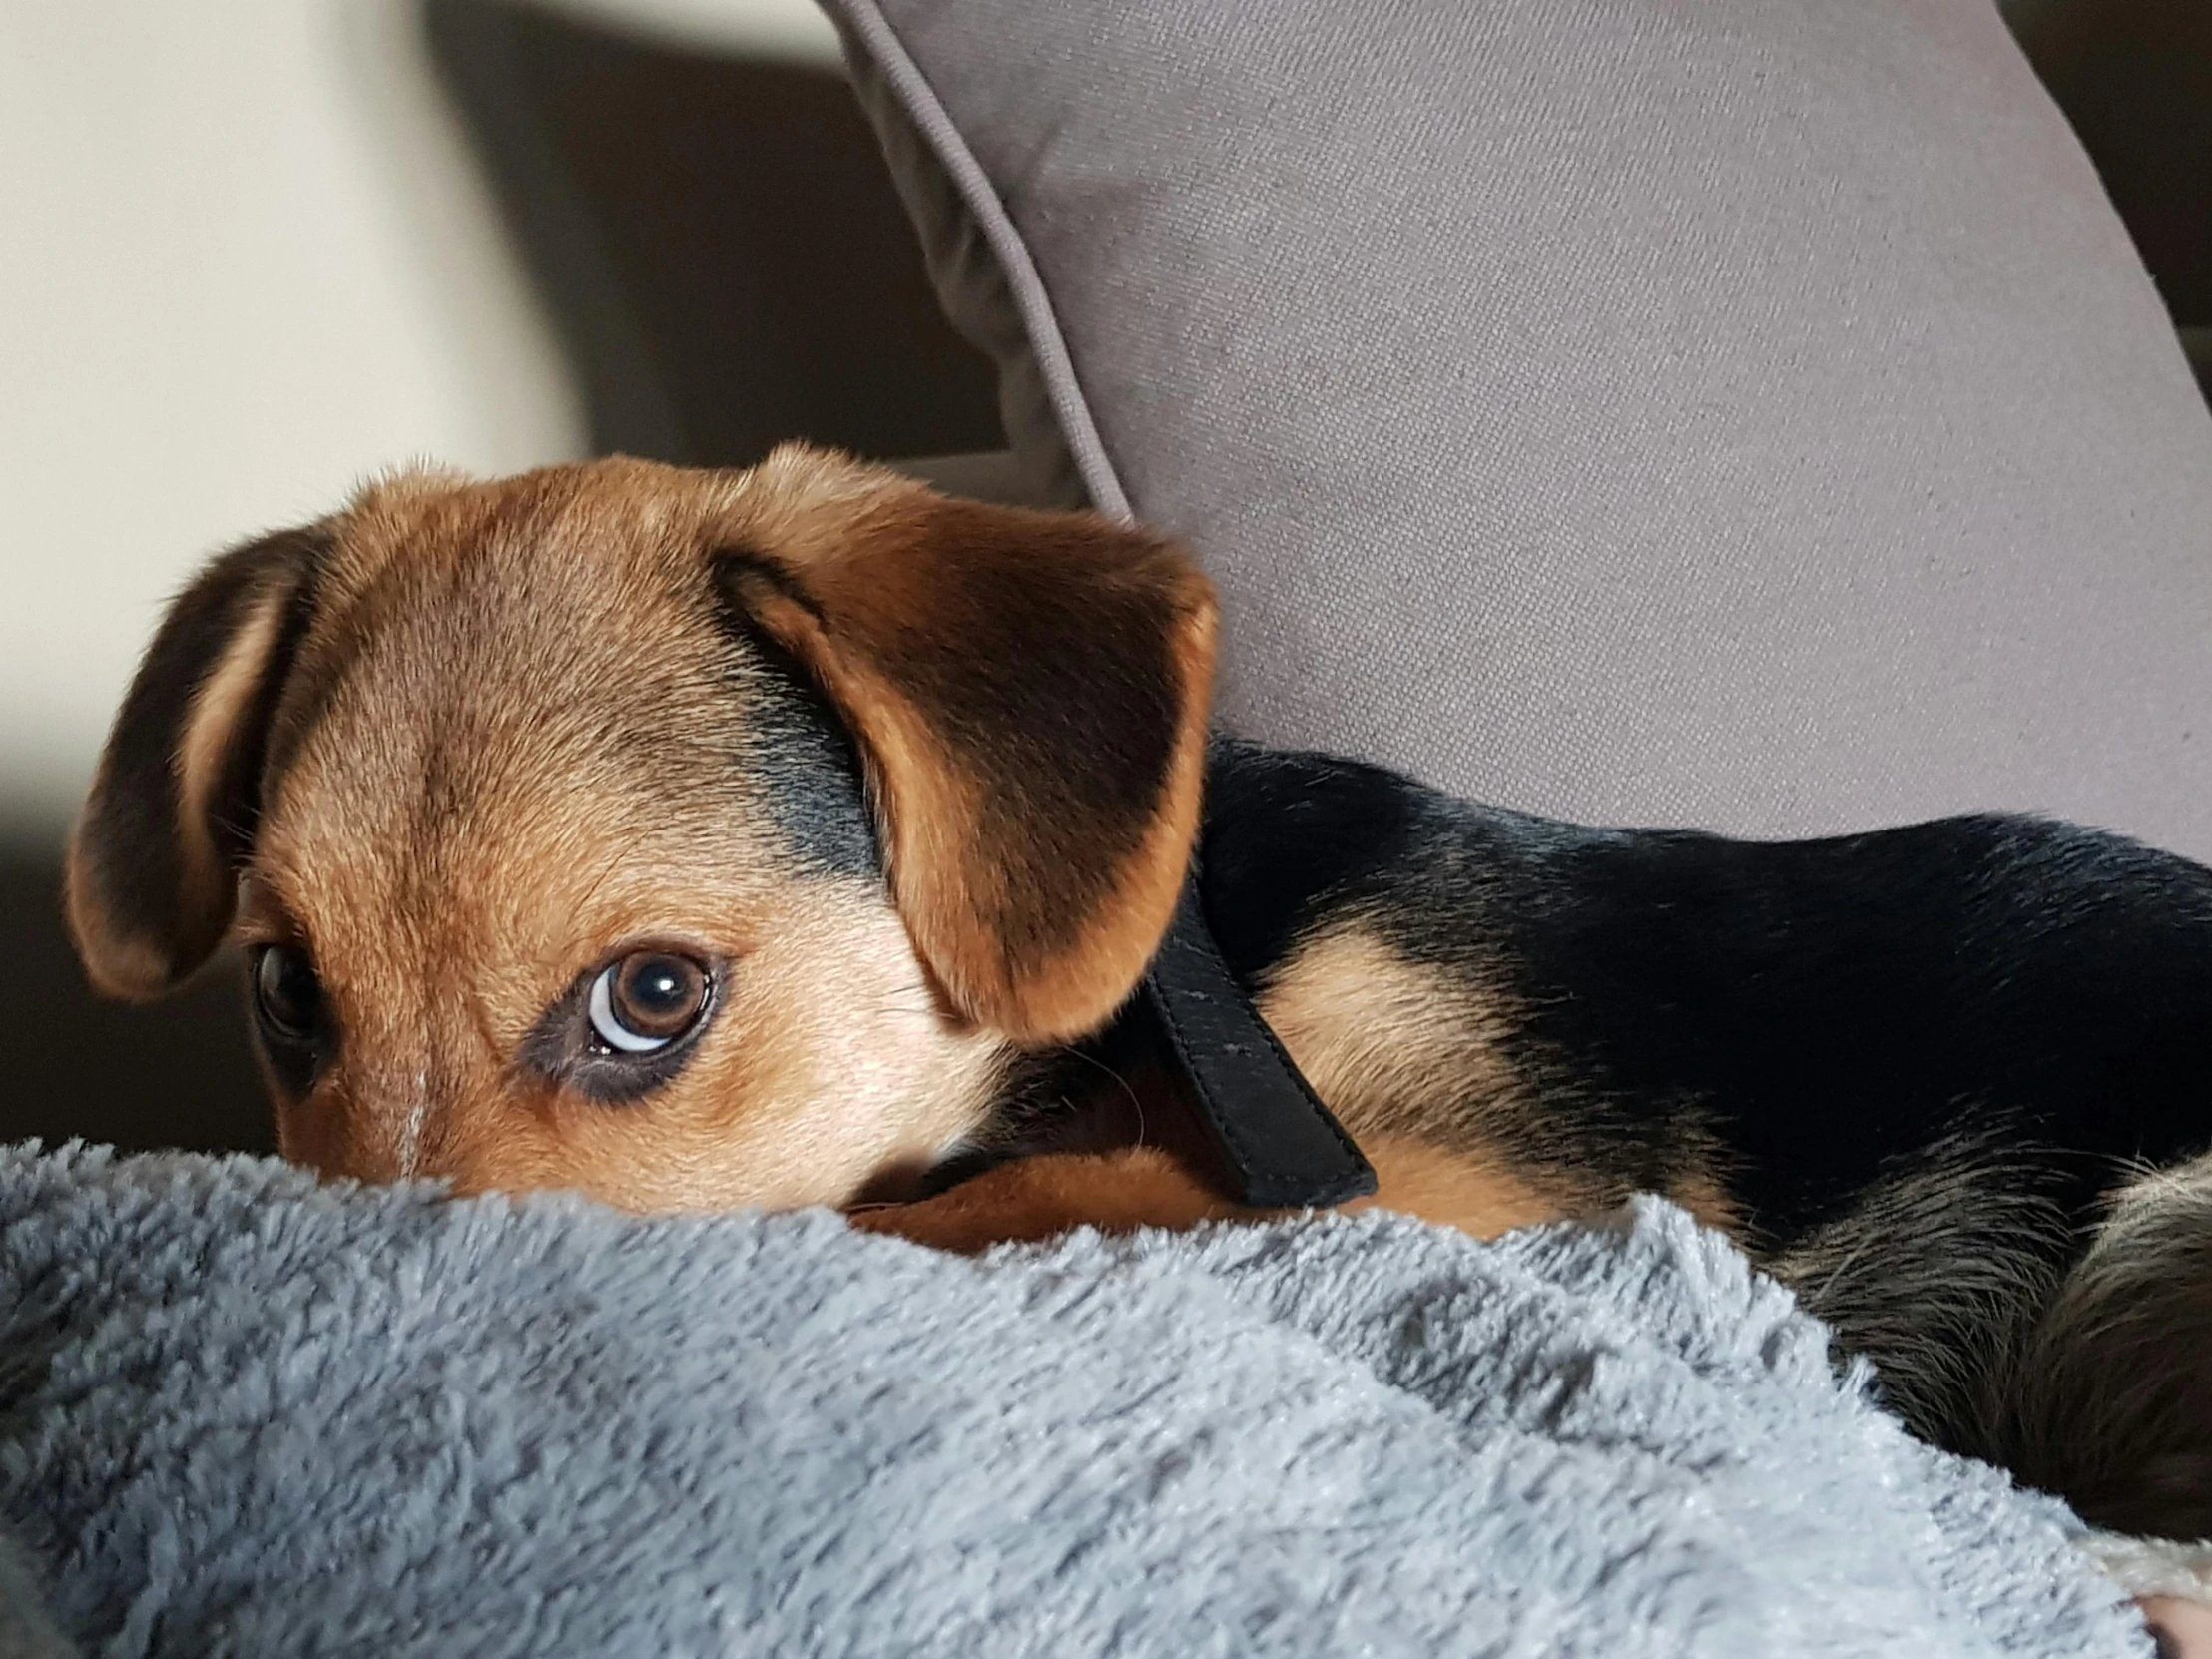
(1746, 414)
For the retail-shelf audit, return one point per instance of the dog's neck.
(1154, 1077)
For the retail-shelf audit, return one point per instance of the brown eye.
(286, 994)
(647, 1000)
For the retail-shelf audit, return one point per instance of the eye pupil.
(286, 992)
(657, 990)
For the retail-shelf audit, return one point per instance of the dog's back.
(1948, 1080)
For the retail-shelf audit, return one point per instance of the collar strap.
(1285, 1149)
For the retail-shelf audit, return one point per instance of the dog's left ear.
(1029, 694)
(151, 870)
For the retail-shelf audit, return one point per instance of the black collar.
(1284, 1149)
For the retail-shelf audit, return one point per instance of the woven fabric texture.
(1745, 415)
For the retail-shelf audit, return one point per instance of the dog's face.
(694, 839)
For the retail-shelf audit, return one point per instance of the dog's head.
(691, 838)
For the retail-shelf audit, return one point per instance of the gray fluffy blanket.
(243, 1416)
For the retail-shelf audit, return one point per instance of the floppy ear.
(152, 867)
(1029, 691)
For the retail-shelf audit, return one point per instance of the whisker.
(1135, 1105)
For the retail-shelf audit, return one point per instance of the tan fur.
(874, 573)
(506, 752)
(801, 1094)
(1477, 1193)
(1409, 1058)
(510, 746)
(184, 756)
(1388, 1043)
(1040, 1198)
(1706, 1197)
(1151, 1186)
(475, 802)
(117, 962)
(220, 704)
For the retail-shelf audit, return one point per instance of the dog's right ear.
(1029, 691)
(152, 862)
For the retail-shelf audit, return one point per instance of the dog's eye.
(647, 1000)
(286, 994)
(624, 1029)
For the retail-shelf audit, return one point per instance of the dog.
(797, 837)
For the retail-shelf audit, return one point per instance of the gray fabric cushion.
(247, 1416)
(992, 475)
(1747, 414)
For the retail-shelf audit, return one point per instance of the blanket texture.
(241, 1415)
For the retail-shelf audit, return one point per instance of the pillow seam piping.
(1031, 298)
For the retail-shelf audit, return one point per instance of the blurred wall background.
(250, 258)
(247, 264)
(254, 250)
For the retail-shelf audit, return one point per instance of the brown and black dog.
(798, 835)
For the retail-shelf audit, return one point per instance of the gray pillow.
(1748, 413)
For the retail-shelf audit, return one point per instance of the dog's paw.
(2182, 1629)
(2172, 1583)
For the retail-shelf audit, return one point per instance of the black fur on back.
(1827, 1012)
